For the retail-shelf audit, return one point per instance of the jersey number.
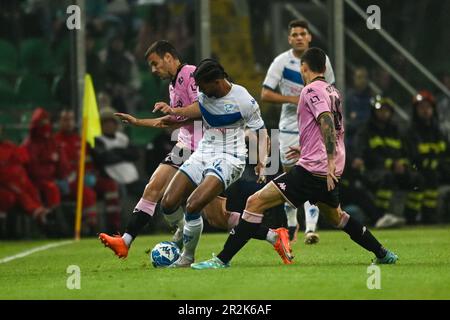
(337, 112)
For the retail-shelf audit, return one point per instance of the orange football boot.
(115, 243)
(282, 245)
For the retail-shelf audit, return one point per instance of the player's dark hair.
(315, 58)
(209, 70)
(161, 47)
(298, 24)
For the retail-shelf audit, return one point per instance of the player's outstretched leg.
(142, 213)
(311, 218)
(250, 227)
(217, 215)
(358, 233)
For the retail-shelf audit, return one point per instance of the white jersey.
(225, 120)
(284, 72)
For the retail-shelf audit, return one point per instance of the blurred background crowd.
(397, 141)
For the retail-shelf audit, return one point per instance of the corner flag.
(90, 112)
(90, 129)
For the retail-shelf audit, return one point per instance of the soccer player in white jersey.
(284, 73)
(227, 109)
(165, 62)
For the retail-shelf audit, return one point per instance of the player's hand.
(294, 99)
(331, 177)
(167, 121)
(259, 171)
(126, 118)
(293, 153)
(163, 107)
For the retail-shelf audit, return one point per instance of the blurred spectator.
(358, 105)
(114, 157)
(443, 108)
(381, 155)
(15, 185)
(354, 192)
(121, 75)
(48, 167)
(93, 64)
(428, 150)
(69, 142)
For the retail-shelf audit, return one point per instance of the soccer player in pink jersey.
(164, 62)
(315, 177)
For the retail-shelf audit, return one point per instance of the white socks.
(176, 218)
(311, 217)
(191, 236)
(291, 215)
(128, 239)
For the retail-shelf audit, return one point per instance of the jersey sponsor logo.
(229, 107)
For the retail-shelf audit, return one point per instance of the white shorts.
(287, 140)
(225, 167)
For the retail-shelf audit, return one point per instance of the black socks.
(362, 236)
(237, 239)
(137, 222)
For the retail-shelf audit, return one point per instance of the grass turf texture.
(336, 268)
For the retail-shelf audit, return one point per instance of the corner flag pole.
(90, 129)
(81, 171)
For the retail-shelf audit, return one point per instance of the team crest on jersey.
(282, 186)
(180, 80)
(292, 62)
(229, 107)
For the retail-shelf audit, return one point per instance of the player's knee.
(168, 202)
(254, 203)
(153, 191)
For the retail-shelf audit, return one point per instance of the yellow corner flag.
(90, 129)
(90, 112)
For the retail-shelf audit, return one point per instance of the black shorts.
(299, 185)
(177, 157)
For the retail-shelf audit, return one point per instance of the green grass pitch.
(336, 268)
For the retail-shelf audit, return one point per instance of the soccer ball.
(164, 254)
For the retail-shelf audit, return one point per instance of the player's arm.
(191, 111)
(269, 95)
(161, 122)
(328, 131)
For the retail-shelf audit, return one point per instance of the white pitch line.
(31, 251)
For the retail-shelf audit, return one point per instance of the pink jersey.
(183, 92)
(318, 97)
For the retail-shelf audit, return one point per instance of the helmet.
(378, 102)
(424, 95)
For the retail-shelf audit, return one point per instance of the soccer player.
(316, 175)
(227, 109)
(165, 62)
(284, 73)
